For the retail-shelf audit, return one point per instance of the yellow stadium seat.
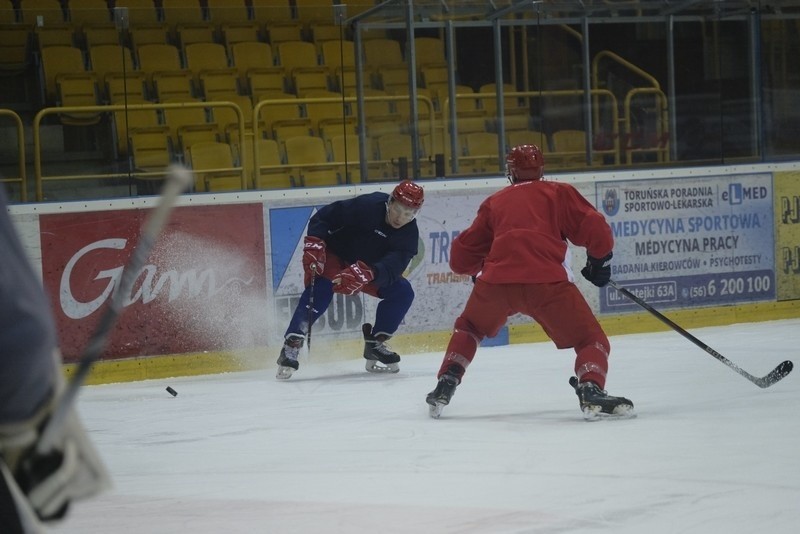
(147, 34)
(390, 149)
(88, 12)
(281, 121)
(78, 90)
(131, 86)
(329, 117)
(429, 52)
(213, 166)
(310, 12)
(188, 34)
(8, 14)
(226, 118)
(150, 148)
(207, 57)
(382, 53)
(569, 149)
(139, 11)
(298, 55)
(41, 12)
(278, 31)
(251, 57)
(208, 62)
(239, 33)
(480, 152)
(159, 58)
(182, 12)
(463, 102)
(309, 159)
(14, 51)
(188, 125)
(227, 11)
(57, 60)
(161, 64)
(111, 60)
(511, 104)
(54, 36)
(96, 35)
(129, 120)
(308, 82)
(272, 10)
(344, 150)
(173, 85)
(272, 173)
(339, 58)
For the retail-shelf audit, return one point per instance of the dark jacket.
(356, 229)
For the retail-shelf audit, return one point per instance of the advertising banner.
(203, 286)
(287, 228)
(787, 234)
(691, 242)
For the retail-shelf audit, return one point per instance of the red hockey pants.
(558, 307)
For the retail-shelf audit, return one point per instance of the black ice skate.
(377, 352)
(441, 395)
(596, 403)
(287, 361)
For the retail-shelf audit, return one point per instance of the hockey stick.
(178, 179)
(783, 368)
(311, 309)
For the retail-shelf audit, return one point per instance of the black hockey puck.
(172, 391)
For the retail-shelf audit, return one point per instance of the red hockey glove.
(598, 270)
(313, 255)
(353, 278)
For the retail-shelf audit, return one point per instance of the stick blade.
(776, 375)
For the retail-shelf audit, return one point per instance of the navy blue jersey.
(356, 229)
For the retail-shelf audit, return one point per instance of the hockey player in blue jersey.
(362, 244)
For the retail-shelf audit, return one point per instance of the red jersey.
(520, 234)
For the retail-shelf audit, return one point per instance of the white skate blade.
(435, 410)
(284, 373)
(374, 366)
(593, 413)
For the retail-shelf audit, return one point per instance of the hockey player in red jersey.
(516, 250)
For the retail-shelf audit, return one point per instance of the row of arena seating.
(36, 24)
(48, 30)
(309, 161)
(305, 159)
(288, 66)
(80, 12)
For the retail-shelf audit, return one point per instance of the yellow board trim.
(159, 367)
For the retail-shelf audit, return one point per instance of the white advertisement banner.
(691, 242)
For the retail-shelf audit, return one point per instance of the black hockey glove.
(598, 271)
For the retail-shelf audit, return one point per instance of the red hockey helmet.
(409, 194)
(524, 163)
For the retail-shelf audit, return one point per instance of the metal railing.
(37, 140)
(361, 132)
(634, 141)
(22, 178)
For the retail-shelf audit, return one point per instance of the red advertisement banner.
(202, 288)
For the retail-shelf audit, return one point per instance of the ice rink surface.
(337, 450)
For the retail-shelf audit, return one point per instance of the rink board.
(707, 246)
